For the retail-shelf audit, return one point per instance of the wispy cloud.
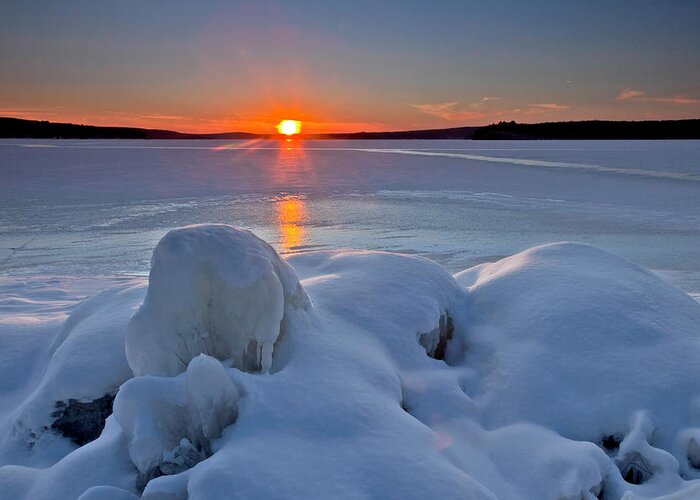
(158, 116)
(487, 107)
(678, 100)
(638, 95)
(552, 106)
(449, 111)
(484, 102)
(145, 116)
(629, 94)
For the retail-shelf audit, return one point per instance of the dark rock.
(611, 443)
(634, 469)
(633, 474)
(82, 422)
(694, 453)
(435, 342)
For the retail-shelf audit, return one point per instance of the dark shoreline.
(16, 128)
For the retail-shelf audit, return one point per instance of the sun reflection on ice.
(291, 220)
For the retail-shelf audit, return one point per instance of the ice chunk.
(169, 422)
(213, 289)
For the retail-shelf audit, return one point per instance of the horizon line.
(302, 134)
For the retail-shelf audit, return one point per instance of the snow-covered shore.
(559, 372)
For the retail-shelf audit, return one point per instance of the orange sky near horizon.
(266, 123)
(258, 125)
(264, 120)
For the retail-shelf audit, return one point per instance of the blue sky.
(215, 65)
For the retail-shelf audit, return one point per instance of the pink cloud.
(628, 94)
(637, 95)
(676, 99)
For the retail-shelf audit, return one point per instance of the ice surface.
(562, 372)
(99, 207)
(212, 289)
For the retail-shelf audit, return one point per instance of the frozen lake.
(88, 208)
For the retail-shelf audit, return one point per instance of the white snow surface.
(565, 371)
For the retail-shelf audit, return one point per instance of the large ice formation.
(213, 289)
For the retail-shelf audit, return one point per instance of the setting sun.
(289, 127)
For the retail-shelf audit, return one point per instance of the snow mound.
(591, 346)
(213, 289)
(102, 463)
(79, 374)
(169, 422)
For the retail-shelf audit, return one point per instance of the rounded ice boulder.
(213, 289)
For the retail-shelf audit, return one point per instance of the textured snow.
(562, 372)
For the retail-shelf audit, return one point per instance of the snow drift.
(562, 372)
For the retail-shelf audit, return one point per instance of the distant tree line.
(34, 129)
(593, 129)
(16, 128)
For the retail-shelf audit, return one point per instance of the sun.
(289, 127)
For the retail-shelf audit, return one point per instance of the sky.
(215, 66)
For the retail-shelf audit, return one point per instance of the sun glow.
(289, 127)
